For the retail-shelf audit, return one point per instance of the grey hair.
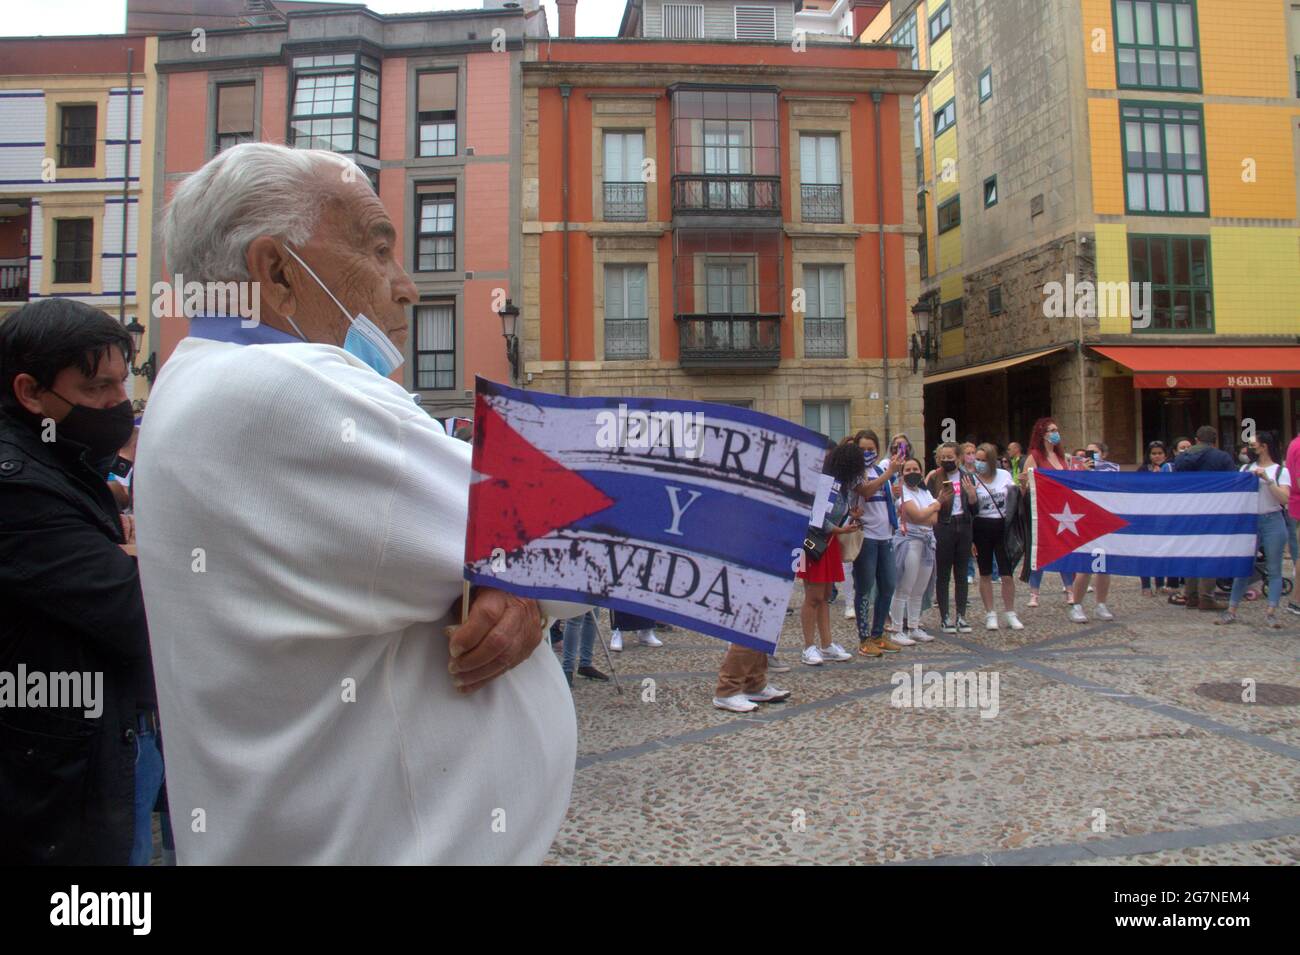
(241, 194)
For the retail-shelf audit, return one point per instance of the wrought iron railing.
(728, 194)
(625, 202)
(737, 340)
(822, 203)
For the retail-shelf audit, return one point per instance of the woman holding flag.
(1045, 452)
(1274, 492)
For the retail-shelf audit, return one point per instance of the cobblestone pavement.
(1096, 723)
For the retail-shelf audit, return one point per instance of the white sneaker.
(1103, 612)
(919, 635)
(991, 620)
(1077, 614)
(850, 613)
(812, 657)
(648, 639)
(1012, 620)
(616, 641)
(769, 694)
(835, 652)
(902, 639)
(737, 704)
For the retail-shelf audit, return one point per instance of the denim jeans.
(1036, 578)
(583, 627)
(148, 781)
(1272, 537)
(874, 570)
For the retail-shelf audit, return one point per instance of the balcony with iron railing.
(625, 202)
(732, 341)
(13, 280)
(727, 194)
(822, 202)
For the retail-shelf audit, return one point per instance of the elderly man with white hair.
(301, 527)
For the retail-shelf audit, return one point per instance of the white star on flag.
(1066, 518)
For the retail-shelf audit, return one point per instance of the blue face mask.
(1054, 437)
(365, 340)
(981, 467)
(869, 457)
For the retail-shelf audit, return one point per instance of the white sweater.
(301, 525)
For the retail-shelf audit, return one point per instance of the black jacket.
(1204, 457)
(70, 601)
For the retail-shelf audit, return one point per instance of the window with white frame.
(336, 103)
(436, 112)
(627, 314)
(821, 196)
(625, 188)
(729, 291)
(436, 213)
(435, 346)
(824, 324)
(830, 418)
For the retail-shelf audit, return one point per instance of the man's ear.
(27, 391)
(268, 267)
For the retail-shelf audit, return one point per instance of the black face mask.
(912, 480)
(104, 431)
(948, 466)
(1252, 455)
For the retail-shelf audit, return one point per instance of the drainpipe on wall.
(126, 185)
(564, 175)
(876, 98)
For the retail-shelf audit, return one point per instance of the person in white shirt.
(1094, 459)
(989, 533)
(914, 551)
(301, 527)
(1274, 493)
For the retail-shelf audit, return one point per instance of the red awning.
(1228, 366)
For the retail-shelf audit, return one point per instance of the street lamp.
(510, 332)
(150, 368)
(921, 347)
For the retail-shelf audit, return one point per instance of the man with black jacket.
(73, 781)
(1204, 455)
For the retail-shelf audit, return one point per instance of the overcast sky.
(79, 17)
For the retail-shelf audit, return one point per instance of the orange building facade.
(427, 105)
(705, 219)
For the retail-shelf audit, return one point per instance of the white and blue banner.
(690, 513)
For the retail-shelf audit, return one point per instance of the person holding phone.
(844, 463)
(874, 570)
(914, 547)
(952, 534)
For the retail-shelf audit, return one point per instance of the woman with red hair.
(1045, 452)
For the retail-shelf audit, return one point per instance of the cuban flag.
(1143, 524)
(690, 513)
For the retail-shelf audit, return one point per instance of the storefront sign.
(1216, 380)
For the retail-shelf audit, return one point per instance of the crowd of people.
(920, 531)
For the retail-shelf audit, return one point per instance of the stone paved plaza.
(1097, 718)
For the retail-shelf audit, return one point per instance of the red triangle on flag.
(1067, 520)
(523, 494)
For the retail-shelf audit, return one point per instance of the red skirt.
(827, 570)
